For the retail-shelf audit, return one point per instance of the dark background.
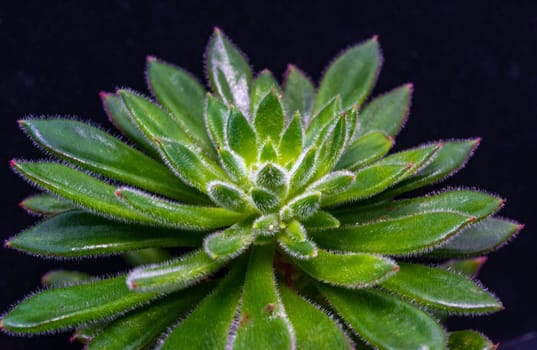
(473, 64)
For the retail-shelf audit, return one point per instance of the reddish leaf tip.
(150, 58)
(409, 166)
(21, 122)
(2, 324)
(217, 30)
(118, 193)
(410, 87)
(103, 95)
(495, 346)
(7, 244)
(375, 38)
(132, 285)
(396, 268)
(13, 163)
(390, 139)
(72, 339)
(477, 141)
(481, 260)
(520, 226)
(472, 219)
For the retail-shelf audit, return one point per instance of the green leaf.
(63, 278)
(468, 202)
(229, 73)
(262, 320)
(269, 118)
(333, 182)
(351, 75)
(327, 116)
(299, 92)
(45, 204)
(466, 267)
(440, 289)
(176, 274)
(182, 95)
(305, 205)
(175, 214)
(241, 136)
(219, 307)
(142, 327)
(332, 147)
(321, 220)
(61, 308)
(479, 239)
(119, 115)
(264, 200)
(303, 170)
(216, 115)
(384, 321)
(93, 149)
(268, 152)
(83, 190)
(271, 177)
(396, 236)
(349, 270)
(380, 175)
(314, 329)
(386, 113)
(229, 196)
(263, 84)
(469, 340)
(234, 166)
(365, 150)
(291, 142)
(229, 243)
(80, 234)
(190, 164)
(300, 250)
(447, 161)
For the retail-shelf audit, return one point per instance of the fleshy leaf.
(333, 182)
(229, 73)
(140, 328)
(229, 196)
(61, 308)
(326, 117)
(80, 234)
(314, 329)
(216, 115)
(83, 190)
(148, 255)
(299, 93)
(268, 152)
(63, 278)
(233, 165)
(263, 323)
(176, 274)
(447, 161)
(119, 115)
(398, 236)
(269, 117)
(375, 315)
(349, 270)
(176, 214)
(291, 142)
(386, 113)
(332, 147)
(301, 250)
(241, 136)
(305, 205)
(272, 178)
(469, 340)
(263, 84)
(365, 150)
(229, 243)
(479, 239)
(321, 220)
(264, 200)
(351, 75)
(440, 289)
(182, 95)
(303, 170)
(466, 267)
(473, 203)
(45, 204)
(93, 149)
(219, 307)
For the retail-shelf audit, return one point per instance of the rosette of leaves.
(284, 202)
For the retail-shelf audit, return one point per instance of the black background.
(473, 65)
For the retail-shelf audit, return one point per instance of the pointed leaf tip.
(150, 58)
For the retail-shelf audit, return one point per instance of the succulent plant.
(283, 203)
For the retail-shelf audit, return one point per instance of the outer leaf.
(440, 289)
(350, 270)
(466, 267)
(472, 203)
(269, 117)
(61, 308)
(45, 204)
(479, 239)
(321, 220)
(119, 115)
(387, 113)
(263, 84)
(365, 150)
(176, 214)
(79, 234)
(314, 329)
(219, 307)
(299, 93)
(229, 73)
(63, 278)
(399, 236)
(182, 95)
(93, 149)
(241, 136)
(385, 321)
(448, 160)
(229, 243)
(322, 120)
(142, 327)
(383, 174)
(469, 340)
(352, 75)
(291, 142)
(85, 191)
(173, 275)
(262, 320)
